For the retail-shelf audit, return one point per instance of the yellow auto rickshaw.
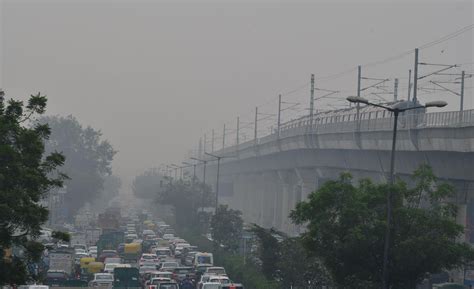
(95, 267)
(85, 261)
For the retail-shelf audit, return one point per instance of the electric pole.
(395, 90)
(415, 77)
(279, 115)
(237, 135)
(311, 101)
(462, 91)
(409, 84)
(223, 137)
(212, 142)
(255, 129)
(359, 77)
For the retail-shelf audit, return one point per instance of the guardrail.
(367, 121)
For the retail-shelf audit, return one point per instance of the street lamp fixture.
(218, 173)
(396, 110)
(204, 169)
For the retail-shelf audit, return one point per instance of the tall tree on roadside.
(26, 176)
(185, 197)
(346, 225)
(88, 159)
(147, 184)
(226, 228)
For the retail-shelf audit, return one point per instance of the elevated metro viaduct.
(267, 177)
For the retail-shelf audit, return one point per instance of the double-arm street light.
(396, 110)
(218, 158)
(194, 169)
(204, 169)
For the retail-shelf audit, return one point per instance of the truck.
(132, 252)
(109, 240)
(62, 259)
(126, 278)
(92, 236)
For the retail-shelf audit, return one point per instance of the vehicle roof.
(215, 267)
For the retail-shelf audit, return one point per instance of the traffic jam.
(131, 251)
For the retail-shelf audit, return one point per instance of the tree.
(185, 197)
(88, 159)
(111, 189)
(268, 250)
(26, 176)
(346, 226)
(147, 184)
(226, 228)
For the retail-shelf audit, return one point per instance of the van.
(203, 258)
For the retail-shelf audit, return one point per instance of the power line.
(447, 37)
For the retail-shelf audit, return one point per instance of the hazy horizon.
(156, 76)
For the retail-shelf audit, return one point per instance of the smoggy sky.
(155, 76)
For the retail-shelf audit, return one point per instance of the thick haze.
(155, 76)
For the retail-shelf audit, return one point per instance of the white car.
(102, 279)
(109, 268)
(169, 266)
(211, 285)
(215, 271)
(168, 236)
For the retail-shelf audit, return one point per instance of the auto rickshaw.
(95, 267)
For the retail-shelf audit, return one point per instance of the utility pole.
(212, 143)
(255, 129)
(395, 90)
(461, 109)
(409, 84)
(237, 135)
(200, 147)
(311, 101)
(279, 115)
(204, 143)
(415, 77)
(359, 77)
(223, 137)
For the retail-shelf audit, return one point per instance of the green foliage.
(226, 228)
(88, 159)
(146, 185)
(346, 225)
(237, 269)
(61, 236)
(26, 176)
(186, 198)
(268, 251)
(286, 260)
(111, 189)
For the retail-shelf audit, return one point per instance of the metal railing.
(368, 121)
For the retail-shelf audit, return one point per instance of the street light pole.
(203, 171)
(396, 110)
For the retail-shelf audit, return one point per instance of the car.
(168, 236)
(211, 285)
(55, 277)
(149, 257)
(232, 286)
(215, 271)
(206, 278)
(147, 268)
(109, 268)
(180, 273)
(115, 260)
(102, 279)
(219, 279)
(163, 252)
(169, 266)
(107, 254)
(168, 285)
(155, 282)
(203, 258)
(188, 259)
